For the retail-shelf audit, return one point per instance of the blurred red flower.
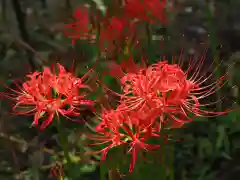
(146, 10)
(115, 31)
(80, 29)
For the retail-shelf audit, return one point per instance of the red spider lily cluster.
(157, 96)
(154, 97)
(46, 94)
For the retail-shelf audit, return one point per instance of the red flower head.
(146, 10)
(115, 31)
(80, 28)
(122, 128)
(166, 88)
(45, 94)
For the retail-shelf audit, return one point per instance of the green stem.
(148, 32)
(64, 142)
(150, 50)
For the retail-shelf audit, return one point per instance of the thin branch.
(20, 16)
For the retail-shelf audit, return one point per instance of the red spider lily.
(45, 94)
(168, 89)
(114, 32)
(108, 130)
(80, 28)
(146, 10)
(136, 144)
(117, 128)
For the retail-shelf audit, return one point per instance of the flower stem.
(148, 33)
(150, 50)
(64, 142)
